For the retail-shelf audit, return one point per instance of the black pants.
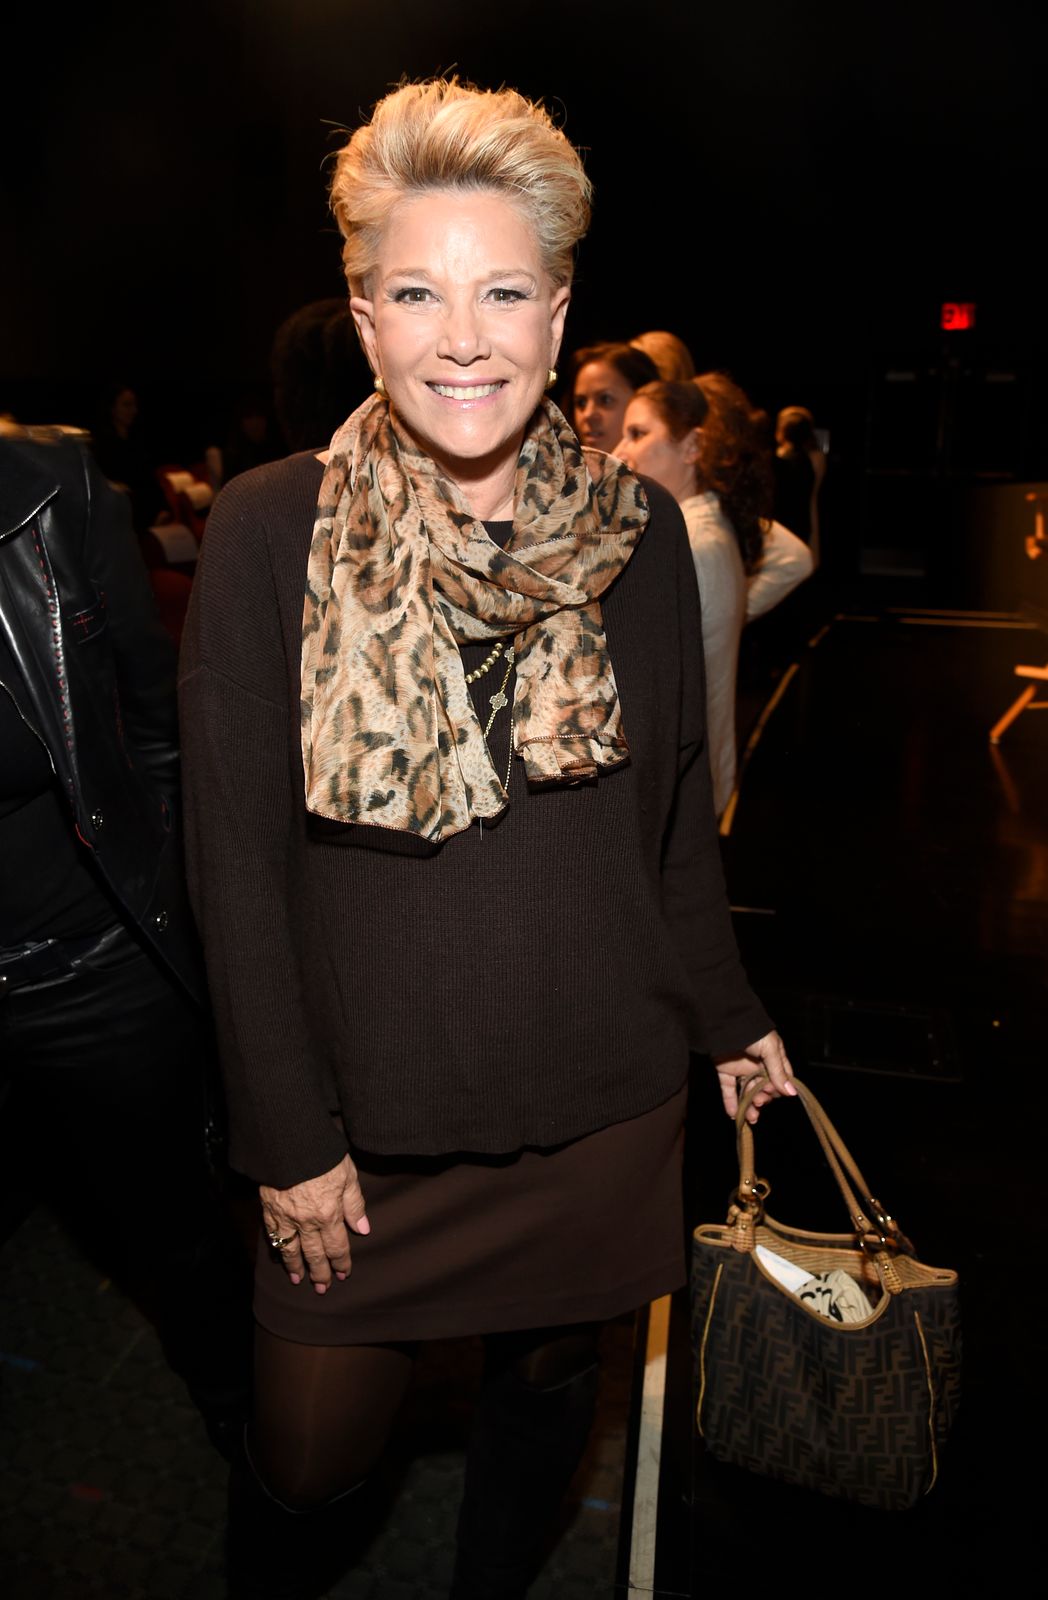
(106, 1072)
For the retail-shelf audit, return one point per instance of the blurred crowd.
(750, 485)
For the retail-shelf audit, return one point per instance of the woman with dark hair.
(318, 372)
(800, 467)
(704, 443)
(735, 461)
(124, 458)
(601, 380)
(250, 439)
(735, 466)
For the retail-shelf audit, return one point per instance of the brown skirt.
(485, 1244)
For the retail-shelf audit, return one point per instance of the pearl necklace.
(489, 661)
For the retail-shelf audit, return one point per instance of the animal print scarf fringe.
(401, 573)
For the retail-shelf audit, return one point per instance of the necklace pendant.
(497, 701)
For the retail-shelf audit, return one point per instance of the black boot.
(524, 1448)
(276, 1554)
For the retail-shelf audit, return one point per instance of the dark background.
(794, 188)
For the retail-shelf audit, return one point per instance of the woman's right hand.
(314, 1217)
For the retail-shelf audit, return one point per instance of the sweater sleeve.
(785, 562)
(240, 803)
(695, 902)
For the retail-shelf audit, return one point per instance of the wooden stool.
(1036, 546)
(1025, 702)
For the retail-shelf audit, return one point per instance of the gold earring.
(379, 385)
(551, 377)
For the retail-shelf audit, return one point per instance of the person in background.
(250, 441)
(105, 1044)
(125, 459)
(701, 441)
(453, 855)
(670, 354)
(318, 373)
(735, 464)
(800, 467)
(601, 379)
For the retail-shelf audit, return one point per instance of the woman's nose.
(463, 338)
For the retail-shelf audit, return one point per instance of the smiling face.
(462, 323)
(648, 446)
(599, 404)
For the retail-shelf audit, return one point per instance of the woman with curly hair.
(706, 444)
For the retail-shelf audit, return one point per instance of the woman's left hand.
(768, 1055)
(312, 1218)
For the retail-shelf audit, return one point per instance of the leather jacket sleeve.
(143, 654)
(95, 679)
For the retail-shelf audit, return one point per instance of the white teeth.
(476, 391)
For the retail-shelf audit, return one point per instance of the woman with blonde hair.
(670, 354)
(453, 856)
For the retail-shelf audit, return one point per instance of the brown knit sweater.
(524, 985)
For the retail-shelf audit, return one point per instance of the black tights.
(323, 1413)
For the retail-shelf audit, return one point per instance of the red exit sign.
(957, 314)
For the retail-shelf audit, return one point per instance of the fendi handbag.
(856, 1409)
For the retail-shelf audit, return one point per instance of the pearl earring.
(380, 385)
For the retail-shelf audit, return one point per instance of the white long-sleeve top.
(722, 594)
(729, 600)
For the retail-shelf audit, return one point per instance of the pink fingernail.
(341, 1276)
(321, 1288)
(295, 1277)
(363, 1226)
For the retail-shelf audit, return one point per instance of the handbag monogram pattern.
(855, 1410)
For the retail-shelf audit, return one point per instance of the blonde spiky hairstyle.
(443, 134)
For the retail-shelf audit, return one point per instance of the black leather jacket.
(96, 679)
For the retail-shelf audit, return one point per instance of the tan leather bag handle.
(867, 1215)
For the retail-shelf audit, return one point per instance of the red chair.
(188, 497)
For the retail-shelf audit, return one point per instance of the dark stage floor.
(890, 876)
(110, 1489)
(889, 870)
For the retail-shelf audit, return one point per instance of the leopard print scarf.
(400, 574)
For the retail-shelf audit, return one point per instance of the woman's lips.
(466, 391)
